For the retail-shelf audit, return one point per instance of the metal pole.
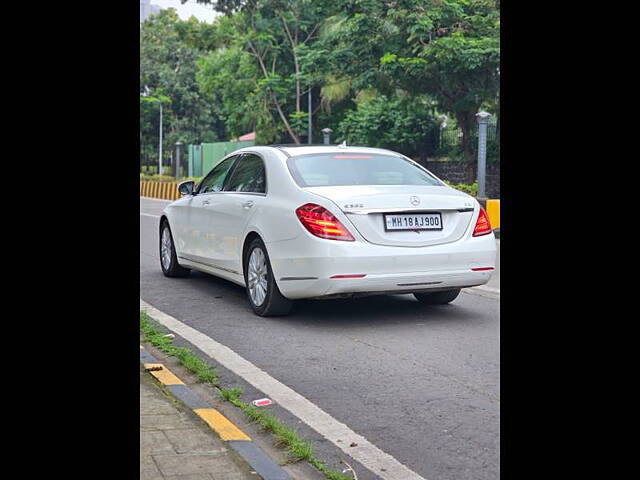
(482, 152)
(178, 148)
(310, 136)
(160, 146)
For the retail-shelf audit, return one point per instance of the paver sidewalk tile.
(156, 406)
(148, 469)
(164, 422)
(154, 442)
(193, 476)
(193, 440)
(219, 465)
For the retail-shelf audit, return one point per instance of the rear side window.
(340, 169)
(248, 176)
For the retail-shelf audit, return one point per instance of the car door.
(198, 231)
(243, 195)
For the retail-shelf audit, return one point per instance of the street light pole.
(483, 119)
(160, 146)
(309, 137)
(178, 151)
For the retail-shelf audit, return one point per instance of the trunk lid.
(365, 207)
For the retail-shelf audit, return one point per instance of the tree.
(277, 35)
(453, 54)
(446, 49)
(266, 54)
(169, 48)
(393, 123)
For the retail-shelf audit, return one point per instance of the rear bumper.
(303, 266)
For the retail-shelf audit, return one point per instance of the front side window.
(215, 180)
(248, 176)
(339, 169)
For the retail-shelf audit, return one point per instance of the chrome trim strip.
(416, 284)
(187, 258)
(367, 211)
(286, 279)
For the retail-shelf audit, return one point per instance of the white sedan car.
(292, 222)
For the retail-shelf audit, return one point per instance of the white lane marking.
(481, 293)
(379, 462)
(156, 199)
(149, 215)
(488, 289)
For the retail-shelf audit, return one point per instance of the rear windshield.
(336, 169)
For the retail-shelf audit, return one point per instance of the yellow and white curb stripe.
(162, 190)
(221, 425)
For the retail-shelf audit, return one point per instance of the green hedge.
(470, 188)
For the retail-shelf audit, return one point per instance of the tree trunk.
(273, 95)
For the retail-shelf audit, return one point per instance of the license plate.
(413, 221)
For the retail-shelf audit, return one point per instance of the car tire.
(438, 298)
(262, 291)
(168, 258)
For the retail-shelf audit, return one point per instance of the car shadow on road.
(376, 310)
(371, 310)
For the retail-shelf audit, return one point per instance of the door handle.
(206, 202)
(248, 204)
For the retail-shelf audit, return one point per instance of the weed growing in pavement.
(231, 394)
(196, 365)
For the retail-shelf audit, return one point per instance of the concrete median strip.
(221, 425)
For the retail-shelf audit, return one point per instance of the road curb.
(228, 432)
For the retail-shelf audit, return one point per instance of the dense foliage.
(169, 49)
(381, 72)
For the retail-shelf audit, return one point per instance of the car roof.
(295, 150)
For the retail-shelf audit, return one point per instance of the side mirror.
(186, 188)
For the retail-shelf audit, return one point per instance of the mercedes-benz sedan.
(293, 222)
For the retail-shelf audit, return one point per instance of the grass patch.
(296, 447)
(194, 364)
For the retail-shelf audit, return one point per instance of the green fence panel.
(213, 153)
(202, 158)
(195, 161)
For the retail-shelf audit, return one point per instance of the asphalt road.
(421, 383)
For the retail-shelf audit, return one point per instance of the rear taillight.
(322, 223)
(483, 226)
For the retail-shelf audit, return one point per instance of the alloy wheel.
(166, 248)
(257, 276)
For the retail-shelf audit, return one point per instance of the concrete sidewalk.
(176, 445)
